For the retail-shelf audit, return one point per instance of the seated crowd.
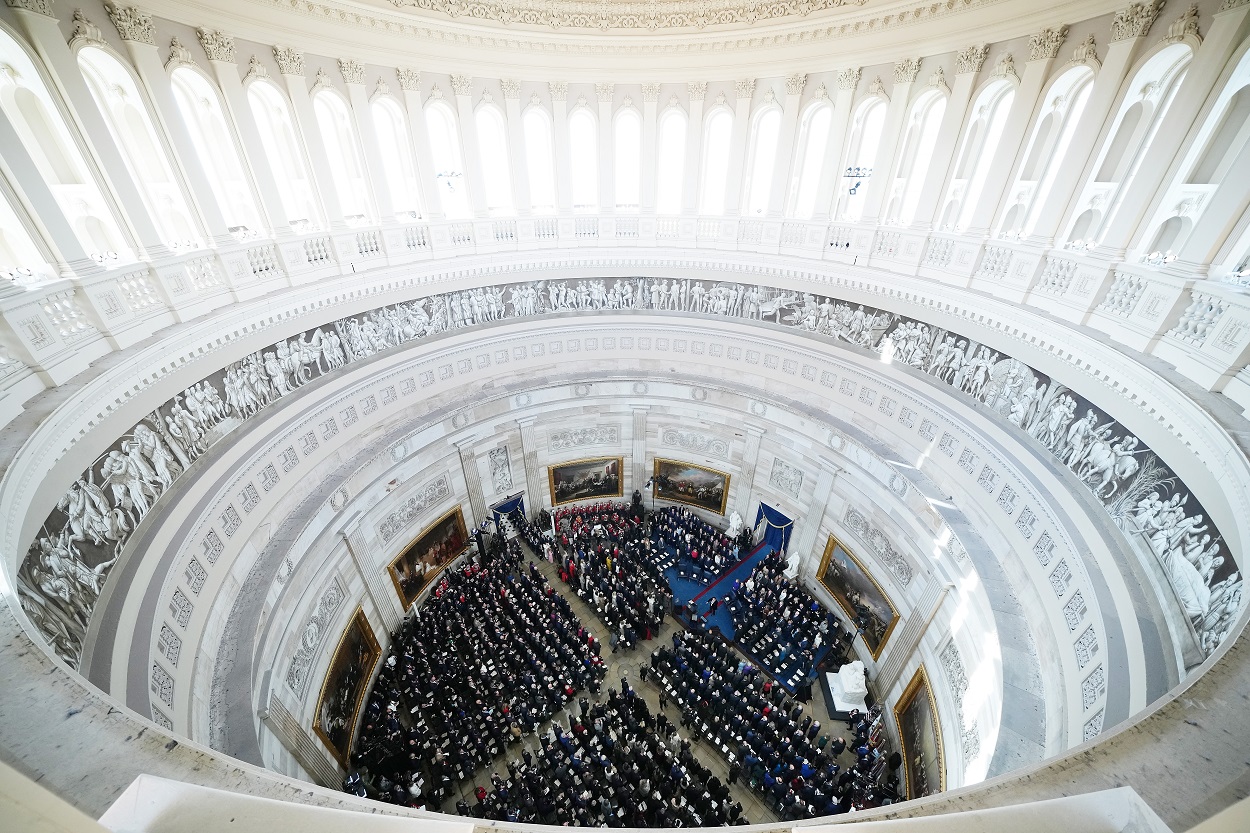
(492, 652)
(764, 733)
(779, 623)
(617, 765)
(604, 560)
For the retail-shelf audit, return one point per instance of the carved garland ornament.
(695, 441)
(578, 437)
(624, 15)
(393, 523)
(893, 560)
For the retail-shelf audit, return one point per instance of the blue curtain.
(777, 527)
(508, 506)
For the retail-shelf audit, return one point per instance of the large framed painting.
(859, 595)
(920, 732)
(345, 686)
(687, 483)
(435, 548)
(585, 479)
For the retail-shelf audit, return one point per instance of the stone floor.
(626, 664)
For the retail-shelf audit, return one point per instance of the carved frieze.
(581, 437)
(427, 497)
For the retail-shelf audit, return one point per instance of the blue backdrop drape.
(508, 506)
(777, 527)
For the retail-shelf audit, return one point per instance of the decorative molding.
(1184, 26)
(694, 441)
(132, 23)
(821, 93)
(487, 98)
(938, 80)
(311, 636)
(321, 81)
(673, 14)
(579, 437)
(511, 89)
(696, 90)
(255, 69)
(971, 58)
(892, 559)
(353, 71)
(559, 90)
(43, 7)
(1135, 20)
(1086, 51)
(786, 478)
(877, 87)
(409, 79)
(290, 60)
(957, 676)
(905, 71)
(381, 87)
(745, 88)
(848, 79)
(218, 46)
(1007, 68)
(1045, 44)
(179, 55)
(769, 96)
(604, 91)
(436, 93)
(795, 83)
(85, 31)
(650, 92)
(396, 521)
(500, 469)
(462, 84)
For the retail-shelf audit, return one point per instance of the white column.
(431, 197)
(1043, 47)
(535, 489)
(516, 148)
(354, 76)
(379, 586)
(291, 65)
(560, 127)
(835, 144)
(1229, 29)
(49, 43)
(650, 106)
(52, 227)
(968, 63)
(462, 86)
(697, 91)
(472, 478)
(801, 547)
(198, 191)
(1121, 55)
(750, 459)
(607, 160)
(738, 147)
(221, 57)
(785, 160)
(883, 165)
(905, 640)
(638, 445)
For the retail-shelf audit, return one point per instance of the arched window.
(20, 260)
(627, 134)
(861, 155)
(761, 158)
(813, 137)
(1136, 122)
(124, 110)
(671, 161)
(584, 159)
(492, 142)
(1045, 150)
(201, 111)
(540, 159)
(976, 151)
(717, 137)
(445, 152)
(918, 141)
(397, 158)
(285, 155)
(347, 165)
(45, 136)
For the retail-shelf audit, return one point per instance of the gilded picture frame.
(682, 482)
(345, 686)
(850, 583)
(421, 562)
(920, 735)
(585, 479)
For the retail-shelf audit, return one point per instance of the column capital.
(353, 71)
(970, 59)
(636, 407)
(218, 46)
(604, 92)
(409, 79)
(848, 79)
(349, 527)
(753, 429)
(1045, 44)
(905, 71)
(290, 60)
(526, 421)
(745, 88)
(43, 7)
(559, 90)
(462, 85)
(1135, 20)
(132, 23)
(511, 89)
(696, 90)
(651, 92)
(795, 83)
